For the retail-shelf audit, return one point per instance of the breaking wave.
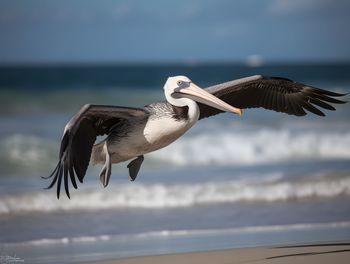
(274, 189)
(181, 233)
(256, 147)
(26, 152)
(30, 154)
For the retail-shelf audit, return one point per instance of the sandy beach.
(334, 252)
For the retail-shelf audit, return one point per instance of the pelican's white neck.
(193, 111)
(193, 108)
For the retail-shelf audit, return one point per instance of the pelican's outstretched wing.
(278, 94)
(79, 136)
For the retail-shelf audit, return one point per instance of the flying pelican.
(133, 132)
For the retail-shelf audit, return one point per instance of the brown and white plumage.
(79, 136)
(133, 132)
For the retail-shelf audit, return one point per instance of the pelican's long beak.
(200, 95)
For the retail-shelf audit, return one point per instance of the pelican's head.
(179, 89)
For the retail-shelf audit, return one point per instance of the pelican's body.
(143, 135)
(134, 132)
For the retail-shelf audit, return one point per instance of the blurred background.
(264, 179)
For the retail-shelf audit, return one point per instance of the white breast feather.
(163, 131)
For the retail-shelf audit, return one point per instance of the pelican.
(133, 132)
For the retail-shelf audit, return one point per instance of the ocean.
(262, 179)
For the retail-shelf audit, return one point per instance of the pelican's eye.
(179, 82)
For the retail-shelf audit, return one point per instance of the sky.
(112, 31)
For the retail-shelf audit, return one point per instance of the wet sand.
(333, 252)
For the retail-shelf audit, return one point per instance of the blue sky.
(52, 31)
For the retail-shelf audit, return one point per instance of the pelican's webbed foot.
(134, 167)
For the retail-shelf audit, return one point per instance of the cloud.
(282, 7)
(191, 10)
(324, 7)
(121, 9)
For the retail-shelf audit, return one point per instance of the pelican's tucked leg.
(134, 167)
(105, 173)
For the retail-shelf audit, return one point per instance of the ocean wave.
(155, 196)
(65, 240)
(31, 154)
(261, 146)
(26, 153)
(182, 233)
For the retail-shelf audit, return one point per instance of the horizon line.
(189, 63)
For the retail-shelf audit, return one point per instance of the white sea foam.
(256, 147)
(65, 240)
(181, 195)
(26, 153)
(234, 147)
(184, 233)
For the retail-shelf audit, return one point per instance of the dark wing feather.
(78, 139)
(273, 93)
